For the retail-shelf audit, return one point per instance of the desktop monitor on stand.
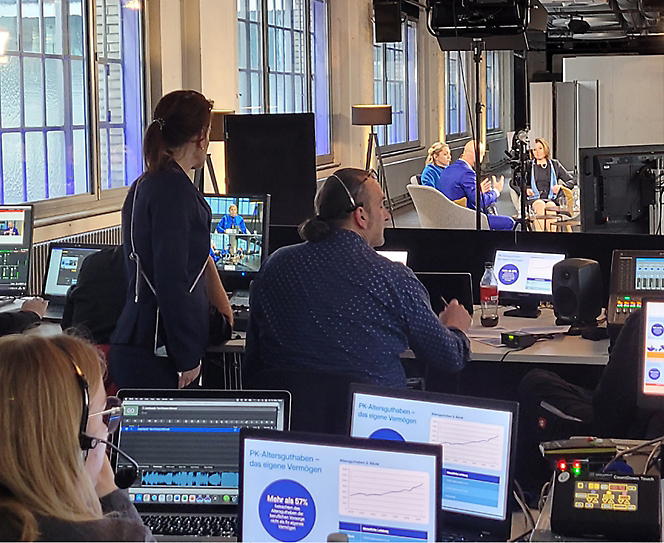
(239, 237)
(16, 225)
(524, 280)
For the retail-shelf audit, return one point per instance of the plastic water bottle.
(489, 296)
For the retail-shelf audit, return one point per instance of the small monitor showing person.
(232, 221)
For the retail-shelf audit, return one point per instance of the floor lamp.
(217, 133)
(375, 115)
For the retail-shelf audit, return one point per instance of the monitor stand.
(528, 311)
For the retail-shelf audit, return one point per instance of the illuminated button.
(589, 505)
(631, 507)
(604, 487)
(578, 505)
(579, 485)
(620, 506)
(606, 506)
(631, 487)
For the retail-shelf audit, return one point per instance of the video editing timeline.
(611, 496)
(523, 272)
(64, 267)
(237, 242)
(303, 492)
(188, 449)
(15, 240)
(475, 442)
(653, 374)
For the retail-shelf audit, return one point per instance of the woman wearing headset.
(56, 482)
(163, 330)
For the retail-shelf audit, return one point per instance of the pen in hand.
(444, 301)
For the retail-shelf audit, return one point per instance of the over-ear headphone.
(351, 200)
(124, 477)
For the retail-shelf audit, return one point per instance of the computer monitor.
(186, 442)
(618, 186)
(395, 256)
(524, 280)
(304, 487)
(16, 225)
(651, 367)
(478, 437)
(64, 265)
(239, 235)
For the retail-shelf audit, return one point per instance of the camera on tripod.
(519, 158)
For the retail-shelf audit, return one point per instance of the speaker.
(387, 21)
(577, 291)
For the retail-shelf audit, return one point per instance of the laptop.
(479, 441)
(322, 487)
(187, 446)
(448, 285)
(395, 256)
(64, 264)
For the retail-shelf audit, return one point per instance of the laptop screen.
(525, 272)
(64, 264)
(395, 256)
(477, 441)
(446, 286)
(303, 487)
(187, 443)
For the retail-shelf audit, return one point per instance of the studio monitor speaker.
(577, 290)
(387, 21)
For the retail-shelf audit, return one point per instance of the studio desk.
(493, 371)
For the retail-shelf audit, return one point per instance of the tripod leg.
(213, 177)
(382, 179)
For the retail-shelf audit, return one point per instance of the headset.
(124, 477)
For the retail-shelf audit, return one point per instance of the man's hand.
(556, 189)
(485, 186)
(187, 377)
(456, 315)
(498, 185)
(530, 192)
(36, 305)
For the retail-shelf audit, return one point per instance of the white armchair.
(435, 210)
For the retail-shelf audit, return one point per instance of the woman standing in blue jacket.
(163, 330)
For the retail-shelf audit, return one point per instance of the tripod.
(382, 178)
(520, 149)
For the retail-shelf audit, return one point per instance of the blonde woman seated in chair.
(546, 175)
(438, 158)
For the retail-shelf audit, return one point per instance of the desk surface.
(560, 350)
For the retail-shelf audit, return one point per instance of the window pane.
(33, 90)
(35, 165)
(80, 148)
(57, 161)
(413, 121)
(8, 22)
(10, 94)
(77, 92)
(76, 35)
(30, 26)
(12, 168)
(55, 92)
(53, 31)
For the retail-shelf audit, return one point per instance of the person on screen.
(163, 331)
(11, 230)
(438, 158)
(55, 486)
(232, 221)
(458, 181)
(545, 177)
(332, 303)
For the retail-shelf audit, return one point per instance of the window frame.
(497, 89)
(464, 95)
(407, 145)
(98, 200)
(264, 67)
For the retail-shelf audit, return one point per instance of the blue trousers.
(131, 366)
(500, 222)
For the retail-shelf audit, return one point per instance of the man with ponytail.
(332, 303)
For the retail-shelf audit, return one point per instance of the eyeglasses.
(112, 414)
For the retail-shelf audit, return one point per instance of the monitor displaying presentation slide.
(303, 487)
(652, 364)
(477, 442)
(239, 228)
(15, 249)
(525, 272)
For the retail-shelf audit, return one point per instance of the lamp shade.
(217, 131)
(372, 115)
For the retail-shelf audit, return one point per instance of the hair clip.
(160, 122)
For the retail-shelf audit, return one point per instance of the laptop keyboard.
(191, 525)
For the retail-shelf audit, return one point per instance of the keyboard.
(191, 525)
(239, 298)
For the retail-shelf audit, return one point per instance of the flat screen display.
(521, 272)
(476, 445)
(294, 491)
(652, 376)
(395, 256)
(64, 266)
(15, 248)
(649, 274)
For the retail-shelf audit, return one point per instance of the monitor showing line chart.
(476, 444)
(294, 490)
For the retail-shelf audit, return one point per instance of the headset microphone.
(124, 477)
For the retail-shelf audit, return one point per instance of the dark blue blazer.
(172, 239)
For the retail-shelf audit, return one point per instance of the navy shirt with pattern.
(338, 305)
